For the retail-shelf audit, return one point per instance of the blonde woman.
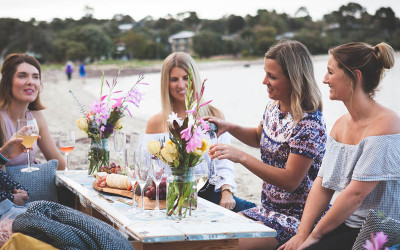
(20, 87)
(174, 79)
(292, 140)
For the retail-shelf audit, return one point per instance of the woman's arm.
(288, 178)
(46, 143)
(317, 202)
(345, 204)
(249, 136)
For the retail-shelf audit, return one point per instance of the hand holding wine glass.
(67, 144)
(28, 130)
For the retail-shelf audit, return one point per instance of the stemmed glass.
(28, 130)
(214, 177)
(142, 171)
(119, 144)
(157, 172)
(67, 144)
(130, 172)
(201, 174)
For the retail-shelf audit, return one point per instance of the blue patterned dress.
(282, 210)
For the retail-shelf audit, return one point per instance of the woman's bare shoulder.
(388, 122)
(156, 124)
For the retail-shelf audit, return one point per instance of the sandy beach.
(62, 112)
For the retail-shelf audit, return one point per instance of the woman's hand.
(20, 196)
(224, 151)
(227, 200)
(223, 126)
(294, 243)
(13, 148)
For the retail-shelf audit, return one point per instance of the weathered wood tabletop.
(212, 225)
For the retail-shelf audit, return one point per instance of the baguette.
(118, 181)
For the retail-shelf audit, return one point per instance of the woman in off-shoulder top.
(174, 80)
(362, 154)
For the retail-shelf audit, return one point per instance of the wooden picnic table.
(212, 227)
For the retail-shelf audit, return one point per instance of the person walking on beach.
(174, 80)
(69, 69)
(82, 72)
(362, 154)
(291, 138)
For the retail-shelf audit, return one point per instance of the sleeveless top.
(10, 130)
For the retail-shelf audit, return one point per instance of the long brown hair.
(7, 71)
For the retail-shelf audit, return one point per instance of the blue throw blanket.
(66, 228)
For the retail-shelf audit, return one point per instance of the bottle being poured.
(213, 178)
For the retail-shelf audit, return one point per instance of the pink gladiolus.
(204, 124)
(376, 242)
(186, 133)
(103, 97)
(118, 102)
(203, 104)
(195, 140)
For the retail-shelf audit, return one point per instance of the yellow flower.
(82, 124)
(170, 147)
(154, 147)
(205, 146)
(168, 156)
(118, 125)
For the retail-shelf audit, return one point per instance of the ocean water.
(238, 91)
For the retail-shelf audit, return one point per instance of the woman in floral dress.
(292, 140)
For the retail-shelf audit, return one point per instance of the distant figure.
(69, 69)
(82, 72)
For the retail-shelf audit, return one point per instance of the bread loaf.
(118, 181)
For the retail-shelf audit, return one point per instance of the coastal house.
(182, 41)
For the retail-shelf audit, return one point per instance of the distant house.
(182, 41)
(125, 27)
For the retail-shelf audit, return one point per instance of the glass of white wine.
(201, 174)
(67, 144)
(28, 130)
(142, 172)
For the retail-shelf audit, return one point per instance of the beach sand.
(62, 112)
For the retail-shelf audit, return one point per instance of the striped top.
(375, 158)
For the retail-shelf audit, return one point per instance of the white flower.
(174, 117)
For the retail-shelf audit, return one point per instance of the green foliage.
(93, 39)
(207, 43)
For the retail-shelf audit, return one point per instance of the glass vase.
(181, 194)
(99, 155)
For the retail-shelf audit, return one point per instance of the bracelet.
(3, 160)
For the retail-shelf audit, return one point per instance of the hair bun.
(385, 55)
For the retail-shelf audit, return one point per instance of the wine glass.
(119, 144)
(214, 177)
(130, 172)
(67, 143)
(157, 172)
(142, 171)
(135, 139)
(28, 130)
(201, 174)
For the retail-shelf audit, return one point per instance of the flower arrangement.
(104, 116)
(187, 144)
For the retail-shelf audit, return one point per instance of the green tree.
(135, 44)
(207, 43)
(235, 23)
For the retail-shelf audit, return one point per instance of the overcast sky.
(46, 10)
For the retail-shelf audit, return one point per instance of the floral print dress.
(282, 210)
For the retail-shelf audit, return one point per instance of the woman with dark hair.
(20, 87)
(362, 154)
(291, 138)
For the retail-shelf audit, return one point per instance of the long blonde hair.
(295, 61)
(186, 62)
